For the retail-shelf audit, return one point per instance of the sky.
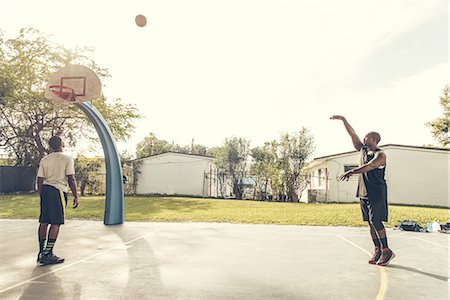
(209, 70)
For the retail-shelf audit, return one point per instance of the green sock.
(49, 247)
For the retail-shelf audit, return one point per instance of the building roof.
(386, 146)
(178, 153)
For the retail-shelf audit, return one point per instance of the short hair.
(375, 135)
(55, 142)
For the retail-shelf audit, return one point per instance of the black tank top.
(373, 180)
(374, 177)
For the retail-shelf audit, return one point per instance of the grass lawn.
(173, 209)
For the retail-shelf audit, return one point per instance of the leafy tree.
(130, 170)
(27, 119)
(151, 145)
(264, 168)
(199, 149)
(439, 127)
(87, 173)
(294, 150)
(232, 158)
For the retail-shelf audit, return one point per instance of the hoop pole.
(114, 204)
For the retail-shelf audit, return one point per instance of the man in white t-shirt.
(56, 174)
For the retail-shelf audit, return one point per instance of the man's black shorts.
(53, 204)
(374, 210)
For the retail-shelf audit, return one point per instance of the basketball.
(140, 20)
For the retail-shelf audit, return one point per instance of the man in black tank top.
(372, 190)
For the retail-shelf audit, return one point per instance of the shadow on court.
(219, 261)
(414, 270)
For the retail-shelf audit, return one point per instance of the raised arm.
(355, 139)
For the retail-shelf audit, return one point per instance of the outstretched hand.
(345, 176)
(337, 117)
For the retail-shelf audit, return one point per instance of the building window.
(320, 177)
(349, 167)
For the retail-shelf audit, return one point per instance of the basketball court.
(219, 261)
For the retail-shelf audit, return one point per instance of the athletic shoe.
(376, 256)
(50, 259)
(386, 257)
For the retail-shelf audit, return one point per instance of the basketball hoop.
(63, 92)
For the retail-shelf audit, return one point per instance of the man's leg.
(383, 238)
(42, 237)
(374, 235)
(376, 241)
(48, 257)
(52, 236)
(387, 255)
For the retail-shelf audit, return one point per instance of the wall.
(173, 174)
(342, 191)
(416, 176)
(17, 179)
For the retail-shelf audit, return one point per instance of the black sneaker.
(39, 257)
(50, 259)
(376, 256)
(386, 257)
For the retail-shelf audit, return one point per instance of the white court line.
(433, 243)
(383, 278)
(31, 280)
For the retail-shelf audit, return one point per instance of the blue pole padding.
(114, 204)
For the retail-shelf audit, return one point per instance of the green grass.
(175, 209)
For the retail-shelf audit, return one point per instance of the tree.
(199, 149)
(151, 145)
(130, 172)
(264, 168)
(232, 158)
(294, 150)
(439, 127)
(87, 173)
(27, 119)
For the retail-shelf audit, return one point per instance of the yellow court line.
(74, 263)
(383, 278)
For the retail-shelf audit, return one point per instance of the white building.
(175, 174)
(414, 175)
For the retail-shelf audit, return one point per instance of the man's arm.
(73, 187)
(40, 182)
(378, 161)
(355, 139)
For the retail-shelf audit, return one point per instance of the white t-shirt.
(54, 168)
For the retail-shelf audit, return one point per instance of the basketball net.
(63, 96)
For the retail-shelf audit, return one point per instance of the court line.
(74, 263)
(383, 278)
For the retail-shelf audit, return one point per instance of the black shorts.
(53, 205)
(374, 210)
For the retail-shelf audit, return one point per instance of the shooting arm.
(355, 139)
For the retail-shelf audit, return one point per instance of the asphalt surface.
(219, 261)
